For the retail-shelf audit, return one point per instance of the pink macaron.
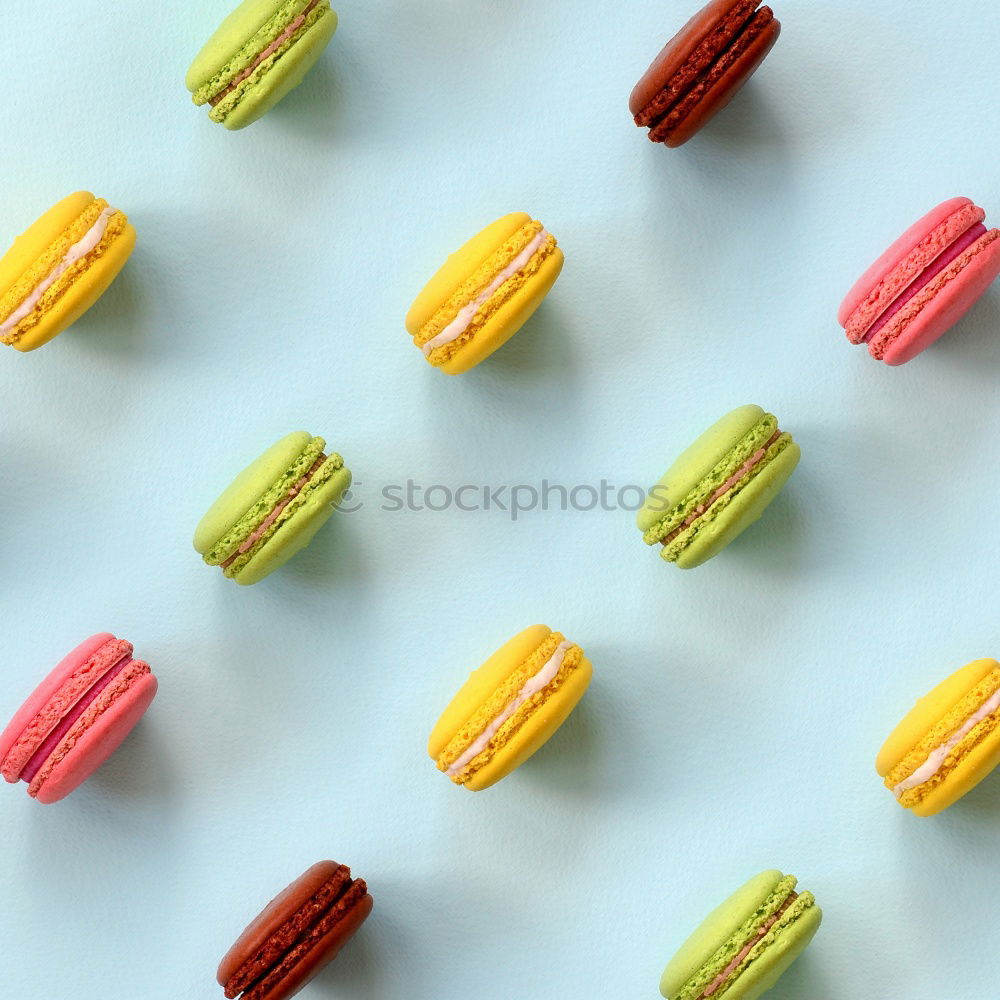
(923, 284)
(76, 718)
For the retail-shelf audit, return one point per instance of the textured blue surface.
(737, 709)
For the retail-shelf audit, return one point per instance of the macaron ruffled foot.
(260, 53)
(296, 935)
(509, 708)
(947, 743)
(746, 944)
(923, 284)
(76, 718)
(273, 508)
(484, 293)
(718, 487)
(56, 270)
(702, 68)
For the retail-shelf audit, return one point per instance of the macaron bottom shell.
(956, 297)
(746, 508)
(534, 731)
(296, 534)
(509, 318)
(765, 971)
(271, 84)
(721, 85)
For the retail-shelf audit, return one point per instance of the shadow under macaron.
(315, 110)
(542, 348)
(774, 544)
(806, 978)
(973, 343)
(114, 323)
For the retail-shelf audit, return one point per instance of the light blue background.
(736, 710)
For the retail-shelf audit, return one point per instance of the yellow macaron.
(948, 743)
(484, 293)
(58, 268)
(509, 707)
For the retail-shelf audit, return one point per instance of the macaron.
(59, 267)
(948, 742)
(484, 293)
(76, 718)
(261, 52)
(701, 69)
(923, 284)
(273, 508)
(744, 946)
(718, 487)
(296, 935)
(509, 708)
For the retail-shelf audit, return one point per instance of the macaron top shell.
(459, 265)
(248, 488)
(482, 682)
(697, 461)
(900, 250)
(32, 243)
(43, 695)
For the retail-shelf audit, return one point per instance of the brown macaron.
(298, 933)
(702, 67)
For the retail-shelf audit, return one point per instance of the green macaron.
(744, 946)
(273, 508)
(718, 487)
(258, 54)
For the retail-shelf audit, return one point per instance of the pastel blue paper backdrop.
(736, 710)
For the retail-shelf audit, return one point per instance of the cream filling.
(467, 313)
(531, 687)
(76, 252)
(935, 760)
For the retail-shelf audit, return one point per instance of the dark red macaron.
(702, 67)
(298, 933)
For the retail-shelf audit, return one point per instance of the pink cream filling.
(259, 533)
(266, 54)
(52, 741)
(716, 983)
(755, 459)
(927, 276)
